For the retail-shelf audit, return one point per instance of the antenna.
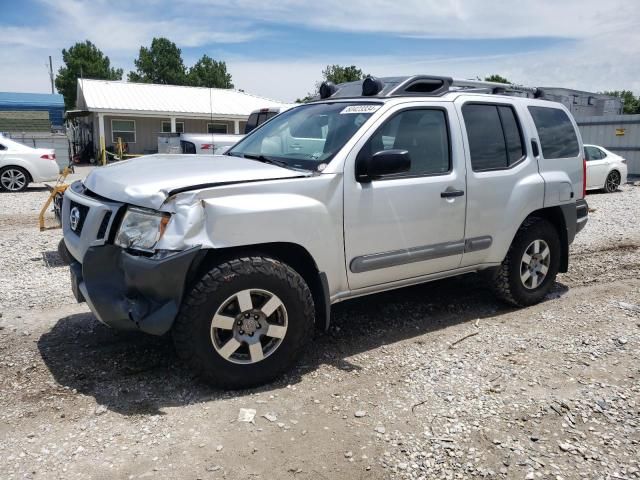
(51, 74)
(211, 118)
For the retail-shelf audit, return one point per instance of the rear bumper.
(130, 292)
(44, 170)
(582, 214)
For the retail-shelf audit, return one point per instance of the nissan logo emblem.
(74, 218)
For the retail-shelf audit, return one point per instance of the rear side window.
(593, 153)
(187, 147)
(495, 139)
(252, 122)
(557, 135)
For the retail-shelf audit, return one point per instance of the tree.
(630, 103)
(336, 74)
(86, 59)
(339, 74)
(161, 63)
(208, 72)
(496, 78)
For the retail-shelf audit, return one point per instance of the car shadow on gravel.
(132, 373)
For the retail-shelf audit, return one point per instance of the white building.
(138, 112)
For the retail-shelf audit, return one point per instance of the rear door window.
(555, 130)
(495, 139)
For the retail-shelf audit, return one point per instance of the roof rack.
(423, 85)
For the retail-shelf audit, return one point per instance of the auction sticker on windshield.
(360, 109)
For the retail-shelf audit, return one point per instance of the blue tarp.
(53, 103)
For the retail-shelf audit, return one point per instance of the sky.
(278, 48)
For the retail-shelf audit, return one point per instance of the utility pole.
(51, 74)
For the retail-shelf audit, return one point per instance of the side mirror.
(380, 164)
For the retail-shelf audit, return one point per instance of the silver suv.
(377, 185)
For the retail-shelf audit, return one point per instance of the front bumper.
(131, 292)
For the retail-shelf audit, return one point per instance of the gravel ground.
(32, 275)
(415, 383)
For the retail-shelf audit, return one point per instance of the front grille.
(84, 211)
(102, 231)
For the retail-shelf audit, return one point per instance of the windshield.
(307, 136)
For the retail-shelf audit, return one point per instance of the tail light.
(584, 177)
(48, 156)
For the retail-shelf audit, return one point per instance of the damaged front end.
(132, 292)
(126, 288)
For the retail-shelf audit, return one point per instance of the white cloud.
(440, 18)
(602, 54)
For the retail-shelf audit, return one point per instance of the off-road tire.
(507, 284)
(63, 252)
(191, 331)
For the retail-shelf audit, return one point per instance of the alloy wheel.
(613, 182)
(249, 326)
(13, 179)
(535, 264)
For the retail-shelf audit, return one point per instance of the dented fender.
(245, 215)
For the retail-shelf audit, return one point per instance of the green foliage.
(339, 74)
(496, 78)
(86, 58)
(631, 103)
(210, 73)
(336, 74)
(161, 63)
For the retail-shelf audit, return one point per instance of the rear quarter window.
(556, 133)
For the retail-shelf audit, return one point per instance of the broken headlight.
(141, 229)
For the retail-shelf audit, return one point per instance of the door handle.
(534, 148)
(451, 193)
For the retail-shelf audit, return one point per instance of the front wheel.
(529, 270)
(613, 182)
(245, 322)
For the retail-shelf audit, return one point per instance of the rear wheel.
(529, 270)
(13, 179)
(245, 322)
(613, 182)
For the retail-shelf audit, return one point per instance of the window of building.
(124, 129)
(495, 138)
(166, 127)
(217, 128)
(423, 133)
(557, 136)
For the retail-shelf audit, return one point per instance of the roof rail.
(423, 85)
(496, 87)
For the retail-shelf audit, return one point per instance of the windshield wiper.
(263, 159)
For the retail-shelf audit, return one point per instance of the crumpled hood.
(148, 181)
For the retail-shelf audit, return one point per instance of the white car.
(21, 165)
(207, 143)
(605, 169)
